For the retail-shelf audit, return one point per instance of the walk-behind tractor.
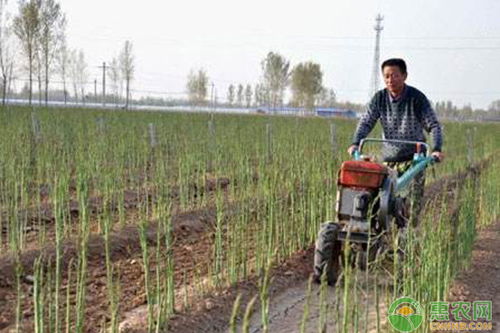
(372, 208)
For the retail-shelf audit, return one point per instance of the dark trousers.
(416, 193)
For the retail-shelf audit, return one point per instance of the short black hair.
(395, 62)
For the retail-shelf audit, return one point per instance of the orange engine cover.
(362, 174)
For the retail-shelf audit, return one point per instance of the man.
(404, 113)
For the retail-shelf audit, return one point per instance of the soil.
(40, 218)
(215, 312)
(125, 250)
(481, 281)
(288, 290)
(192, 232)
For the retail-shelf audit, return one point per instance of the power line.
(308, 36)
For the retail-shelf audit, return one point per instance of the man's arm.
(366, 123)
(432, 126)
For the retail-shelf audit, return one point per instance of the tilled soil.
(288, 290)
(193, 241)
(125, 250)
(481, 281)
(40, 218)
(214, 315)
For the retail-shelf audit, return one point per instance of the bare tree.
(276, 73)
(257, 95)
(26, 27)
(115, 78)
(38, 70)
(230, 94)
(6, 56)
(83, 76)
(63, 62)
(52, 34)
(127, 68)
(239, 95)
(261, 95)
(248, 95)
(197, 86)
(73, 72)
(79, 75)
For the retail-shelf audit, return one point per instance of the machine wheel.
(327, 253)
(360, 258)
(402, 208)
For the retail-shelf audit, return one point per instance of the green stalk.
(68, 299)
(218, 244)
(248, 314)
(323, 305)
(37, 296)
(234, 314)
(305, 313)
(82, 258)
(146, 267)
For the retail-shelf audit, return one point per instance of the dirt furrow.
(481, 281)
(288, 292)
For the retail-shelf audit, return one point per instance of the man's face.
(394, 80)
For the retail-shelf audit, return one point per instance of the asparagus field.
(186, 222)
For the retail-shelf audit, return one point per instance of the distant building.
(336, 112)
(321, 112)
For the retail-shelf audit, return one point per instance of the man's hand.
(439, 156)
(351, 149)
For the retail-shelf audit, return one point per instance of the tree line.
(448, 110)
(305, 81)
(38, 30)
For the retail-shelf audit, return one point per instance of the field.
(180, 222)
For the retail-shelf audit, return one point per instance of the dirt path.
(288, 295)
(287, 310)
(481, 281)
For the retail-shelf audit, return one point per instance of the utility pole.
(374, 84)
(215, 99)
(95, 90)
(103, 83)
(212, 96)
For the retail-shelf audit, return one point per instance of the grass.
(71, 174)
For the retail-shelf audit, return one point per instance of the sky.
(452, 47)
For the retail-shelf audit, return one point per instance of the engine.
(359, 183)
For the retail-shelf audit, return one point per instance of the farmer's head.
(394, 73)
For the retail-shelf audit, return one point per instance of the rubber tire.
(371, 253)
(327, 253)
